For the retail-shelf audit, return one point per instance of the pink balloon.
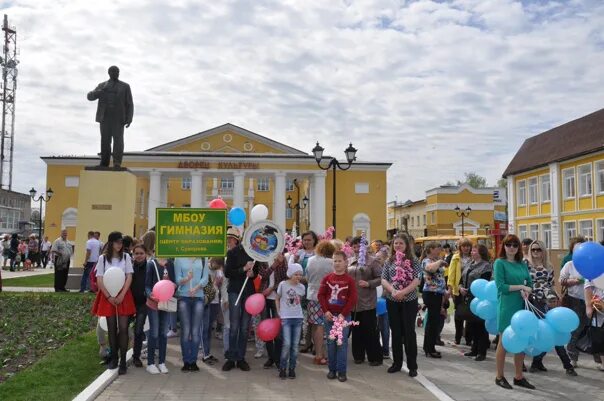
(163, 290)
(269, 329)
(255, 304)
(218, 203)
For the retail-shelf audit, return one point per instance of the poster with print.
(263, 241)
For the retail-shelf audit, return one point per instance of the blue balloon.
(478, 288)
(486, 310)
(381, 307)
(491, 291)
(587, 258)
(562, 319)
(474, 306)
(544, 340)
(491, 326)
(532, 351)
(525, 323)
(561, 339)
(237, 216)
(512, 342)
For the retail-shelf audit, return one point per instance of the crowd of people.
(325, 290)
(25, 253)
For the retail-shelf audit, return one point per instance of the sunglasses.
(512, 245)
(536, 250)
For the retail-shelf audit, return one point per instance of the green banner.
(186, 232)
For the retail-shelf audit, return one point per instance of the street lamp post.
(41, 199)
(334, 164)
(297, 206)
(463, 214)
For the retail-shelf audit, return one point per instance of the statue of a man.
(114, 111)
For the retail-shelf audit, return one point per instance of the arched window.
(361, 222)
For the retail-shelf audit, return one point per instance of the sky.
(438, 88)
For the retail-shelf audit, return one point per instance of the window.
(288, 213)
(185, 183)
(418, 221)
(226, 186)
(533, 198)
(521, 193)
(585, 180)
(546, 235)
(600, 228)
(600, 177)
(289, 185)
(72, 181)
(586, 229)
(432, 217)
(546, 188)
(263, 184)
(361, 188)
(522, 232)
(568, 178)
(570, 231)
(534, 231)
(424, 219)
(412, 221)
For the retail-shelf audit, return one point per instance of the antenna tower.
(8, 62)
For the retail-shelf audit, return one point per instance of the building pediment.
(227, 138)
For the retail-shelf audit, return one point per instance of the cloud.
(437, 88)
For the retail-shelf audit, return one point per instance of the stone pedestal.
(106, 202)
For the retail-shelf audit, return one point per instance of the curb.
(100, 383)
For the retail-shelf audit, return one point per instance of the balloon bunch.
(336, 332)
(532, 332)
(362, 261)
(328, 234)
(484, 304)
(403, 273)
(588, 259)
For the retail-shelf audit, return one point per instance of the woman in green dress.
(513, 286)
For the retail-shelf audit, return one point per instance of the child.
(337, 296)
(289, 308)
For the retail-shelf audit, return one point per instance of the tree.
(474, 180)
(502, 183)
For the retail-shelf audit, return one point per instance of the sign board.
(263, 241)
(500, 216)
(186, 232)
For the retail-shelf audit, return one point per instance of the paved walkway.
(458, 377)
(6, 274)
(28, 289)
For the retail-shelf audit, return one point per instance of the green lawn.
(60, 375)
(42, 280)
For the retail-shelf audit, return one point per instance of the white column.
(163, 192)
(214, 188)
(238, 188)
(154, 196)
(556, 196)
(511, 204)
(196, 188)
(279, 200)
(317, 203)
(204, 200)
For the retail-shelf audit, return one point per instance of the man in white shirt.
(93, 249)
(44, 251)
(62, 251)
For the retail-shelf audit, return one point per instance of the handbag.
(209, 291)
(171, 305)
(591, 339)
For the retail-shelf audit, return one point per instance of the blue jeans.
(385, 333)
(158, 321)
(337, 354)
(172, 318)
(240, 322)
(84, 283)
(290, 330)
(209, 316)
(190, 311)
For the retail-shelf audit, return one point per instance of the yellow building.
(408, 217)
(556, 183)
(241, 166)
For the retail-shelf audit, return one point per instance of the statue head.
(114, 72)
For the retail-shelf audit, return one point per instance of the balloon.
(599, 282)
(561, 339)
(255, 304)
(587, 258)
(474, 306)
(512, 342)
(114, 279)
(544, 340)
(163, 290)
(525, 323)
(269, 329)
(381, 306)
(103, 323)
(562, 319)
(237, 216)
(217, 203)
(491, 326)
(478, 288)
(486, 310)
(532, 351)
(491, 291)
(259, 212)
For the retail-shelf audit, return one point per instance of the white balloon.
(599, 281)
(259, 212)
(103, 323)
(114, 279)
(146, 325)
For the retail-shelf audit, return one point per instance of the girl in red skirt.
(115, 309)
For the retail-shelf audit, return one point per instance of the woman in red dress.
(116, 309)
